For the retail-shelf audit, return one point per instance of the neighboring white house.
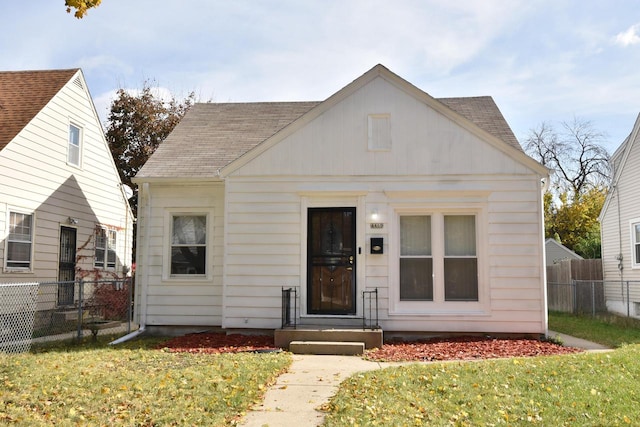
(430, 201)
(63, 212)
(556, 252)
(620, 225)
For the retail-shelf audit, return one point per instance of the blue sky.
(546, 60)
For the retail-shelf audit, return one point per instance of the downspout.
(546, 182)
(144, 282)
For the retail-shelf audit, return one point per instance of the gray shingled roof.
(210, 136)
(23, 94)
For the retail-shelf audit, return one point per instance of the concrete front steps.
(328, 340)
(326, 347)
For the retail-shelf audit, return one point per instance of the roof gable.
(23, 94)
(219, 138)
(619, 159)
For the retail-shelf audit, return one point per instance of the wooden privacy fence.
(575, 286)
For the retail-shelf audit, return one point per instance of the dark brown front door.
(67, 266)
(331, 263)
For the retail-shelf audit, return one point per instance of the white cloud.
(629, 37)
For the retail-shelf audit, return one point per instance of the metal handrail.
(372, 298)
(287, 296)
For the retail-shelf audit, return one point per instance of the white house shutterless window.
(460, 259)
(73, 156)
(19, 241)
(188, 244)
(416, 261)
(438, 257)
(635, 237)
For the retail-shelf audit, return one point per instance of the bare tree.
(576, 155)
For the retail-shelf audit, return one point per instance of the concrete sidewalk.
(569, 341)
(310, 382)
(313, 379)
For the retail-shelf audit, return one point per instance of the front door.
(67, 266)
(331, 261)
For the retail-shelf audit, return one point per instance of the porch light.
(374, 215)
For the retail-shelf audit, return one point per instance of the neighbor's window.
(19, 241)
(438, 252)
(105, 248)
(636, 243)
(188, 244)
(73, 156)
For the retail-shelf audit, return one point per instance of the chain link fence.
(49, 311)
(595, 297)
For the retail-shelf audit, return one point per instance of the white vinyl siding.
(379, 132)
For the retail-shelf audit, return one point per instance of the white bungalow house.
(620, 227)
(431, 202)
(63, 212)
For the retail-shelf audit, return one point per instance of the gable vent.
(379, 132)
(78, 82)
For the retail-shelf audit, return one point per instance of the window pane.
(637, 228)
(460, 235)
(415, 235)
(19, 251)
(461, 279)
(188, 260)
(20, 227)
(74, 145)
(111, 249)
(189, 230)
(637, 260)
(416, 279)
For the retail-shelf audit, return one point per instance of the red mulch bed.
(465, 348)
(456, 348)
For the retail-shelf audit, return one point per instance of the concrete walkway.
(313, 379)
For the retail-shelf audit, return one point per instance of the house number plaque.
(377, 225)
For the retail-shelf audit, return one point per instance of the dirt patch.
(458, 348)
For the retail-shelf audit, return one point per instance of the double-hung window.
(105, 248)
(19, 241)
(75, 140)
(635, 244)
(438, 257)
(188, 244)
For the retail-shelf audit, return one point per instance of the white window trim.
(439, 306)
(169, 213)
(632, 249)
(80, 143)
(7, 269)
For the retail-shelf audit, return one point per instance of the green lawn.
(594, 389)
(588, 389)
(610, 330)
(132, 385)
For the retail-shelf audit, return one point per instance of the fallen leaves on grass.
(465, 348)
(218, 342)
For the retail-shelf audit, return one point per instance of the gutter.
(144, 282)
